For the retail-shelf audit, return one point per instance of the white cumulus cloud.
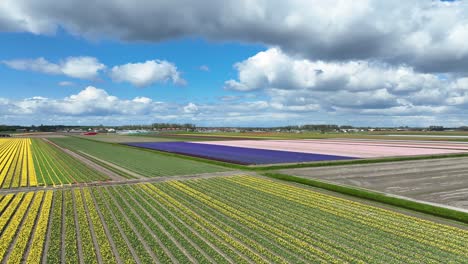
(82, 67)
(296, 84)
(147, 73)
(75, 67)
(427, 35)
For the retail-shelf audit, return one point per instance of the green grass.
(146, 163)
(115, 138)
(376, 196)
(53, 167)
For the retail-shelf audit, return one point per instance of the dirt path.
(114, 176)
(126, 181)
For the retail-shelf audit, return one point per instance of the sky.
(234, 63)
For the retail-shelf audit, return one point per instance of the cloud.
(91, 101)
(93, 106)
(147, 73)
(429, 36)
(66, 83)
(204, 68)
(82, 67)
(353, 87)
(190, 108)
(75, 67)
(274, 69)
(38, 65)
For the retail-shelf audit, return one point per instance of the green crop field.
(146, 163)
(240, 219)
(396, 135)
(115, 138)
(53, 167)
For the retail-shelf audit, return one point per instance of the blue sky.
(234, 63)
(188, 54)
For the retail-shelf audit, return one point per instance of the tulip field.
(33, 162)
(239, 155)
(16, 165)
(145, 163)
(54, 167)
(233, 219)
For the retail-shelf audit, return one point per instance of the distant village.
(172, 128)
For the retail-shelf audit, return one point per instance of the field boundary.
(128, 182)
(399, 201)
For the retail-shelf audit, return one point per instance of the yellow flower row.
(26, 230)
(5, 201)
(10, 210)
(102, 239)
(203, 224)
(319, 250)
(15, 221)
(85, 232)
(16, 163)
(37, 244)
(375, 217)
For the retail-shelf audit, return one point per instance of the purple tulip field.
(239, 155)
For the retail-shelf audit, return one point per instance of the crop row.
(241, 155)
(148, 164)
(239, 219)
(16, 165)
(54, 167)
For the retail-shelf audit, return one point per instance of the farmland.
(239, 155)
(145, 163)
(254, 152)
(16, 165)
(182, 209)
(112, 138)
(441, 181)
(34, 162)
(240, 219)
(350, 148)
(54, 167)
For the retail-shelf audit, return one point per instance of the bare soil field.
(441, 181)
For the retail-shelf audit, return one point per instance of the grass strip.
(376, 196)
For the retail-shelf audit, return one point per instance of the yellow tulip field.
(16, 164)
(235, 219)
